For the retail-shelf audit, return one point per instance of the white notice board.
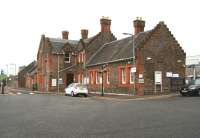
(158, 77)
(53, 82)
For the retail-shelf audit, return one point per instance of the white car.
(76, 89)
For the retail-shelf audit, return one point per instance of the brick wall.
(115, 85)
(166, 56)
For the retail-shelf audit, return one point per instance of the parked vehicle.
(75, 89)
(191, 89)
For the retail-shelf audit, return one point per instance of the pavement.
(96, 95)
(28, 115)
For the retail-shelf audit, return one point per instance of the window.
(83, 57)
(107, 77)
(123, 73)
(82, 81)
(67, 58)
(91, 78)
(79, 78)
(85, 80)
(131, 76)
(79, 57)
(98, 78)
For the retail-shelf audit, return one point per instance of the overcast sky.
(22, 22)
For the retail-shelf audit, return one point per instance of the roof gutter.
(113, 61)
(66, 68)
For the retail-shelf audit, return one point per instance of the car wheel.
(199, 92)
(85, 95)
(65, 94)
(72, 94)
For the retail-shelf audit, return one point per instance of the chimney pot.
(139, 25)
(105, 24)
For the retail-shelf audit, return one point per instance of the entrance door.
(69, 78)
(176, 84)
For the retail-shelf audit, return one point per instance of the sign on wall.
(133, 69)
(168, 74)
(158, 80)
(158, 77)
(60, 81)
(141, 80)
(53, 82)
(140, 76)
(175, 75)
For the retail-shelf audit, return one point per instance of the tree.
(2, 75)
(2, 72)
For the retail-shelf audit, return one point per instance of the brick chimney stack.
(105, 24)
(139, 25)
(43, 36)
(84, 34)
(65, 35)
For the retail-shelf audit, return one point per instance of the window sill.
(125, 85)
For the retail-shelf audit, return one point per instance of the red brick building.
(88, 46)
(27, 77)
(159, 61)
(54, 55)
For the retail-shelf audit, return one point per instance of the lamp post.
(134, 60)
(102, 86)
(58, 66)
(7, 74)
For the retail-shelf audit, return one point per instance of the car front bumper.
(189, 91)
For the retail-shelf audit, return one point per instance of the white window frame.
(91, 77)
(82, 78)
(98, 78)
(123, 74)
(79, 57)
(108, 77)
(79, 78)
(131, 75)
(68, 57)
(82, 56)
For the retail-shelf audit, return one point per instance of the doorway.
(69, 78)
(176, 84)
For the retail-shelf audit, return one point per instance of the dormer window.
(67, 57)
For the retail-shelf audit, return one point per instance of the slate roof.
(28, 68)
(57, 44)
(33, 69)
(117, 50)
(86, 41)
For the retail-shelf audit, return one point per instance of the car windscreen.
(81, 85)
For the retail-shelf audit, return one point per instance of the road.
(56, 116)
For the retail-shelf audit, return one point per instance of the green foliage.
(2, 76)
(35, 87)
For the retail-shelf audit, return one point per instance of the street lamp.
(134, 66)
(7, 74)
(58, 67)
(102, 86)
